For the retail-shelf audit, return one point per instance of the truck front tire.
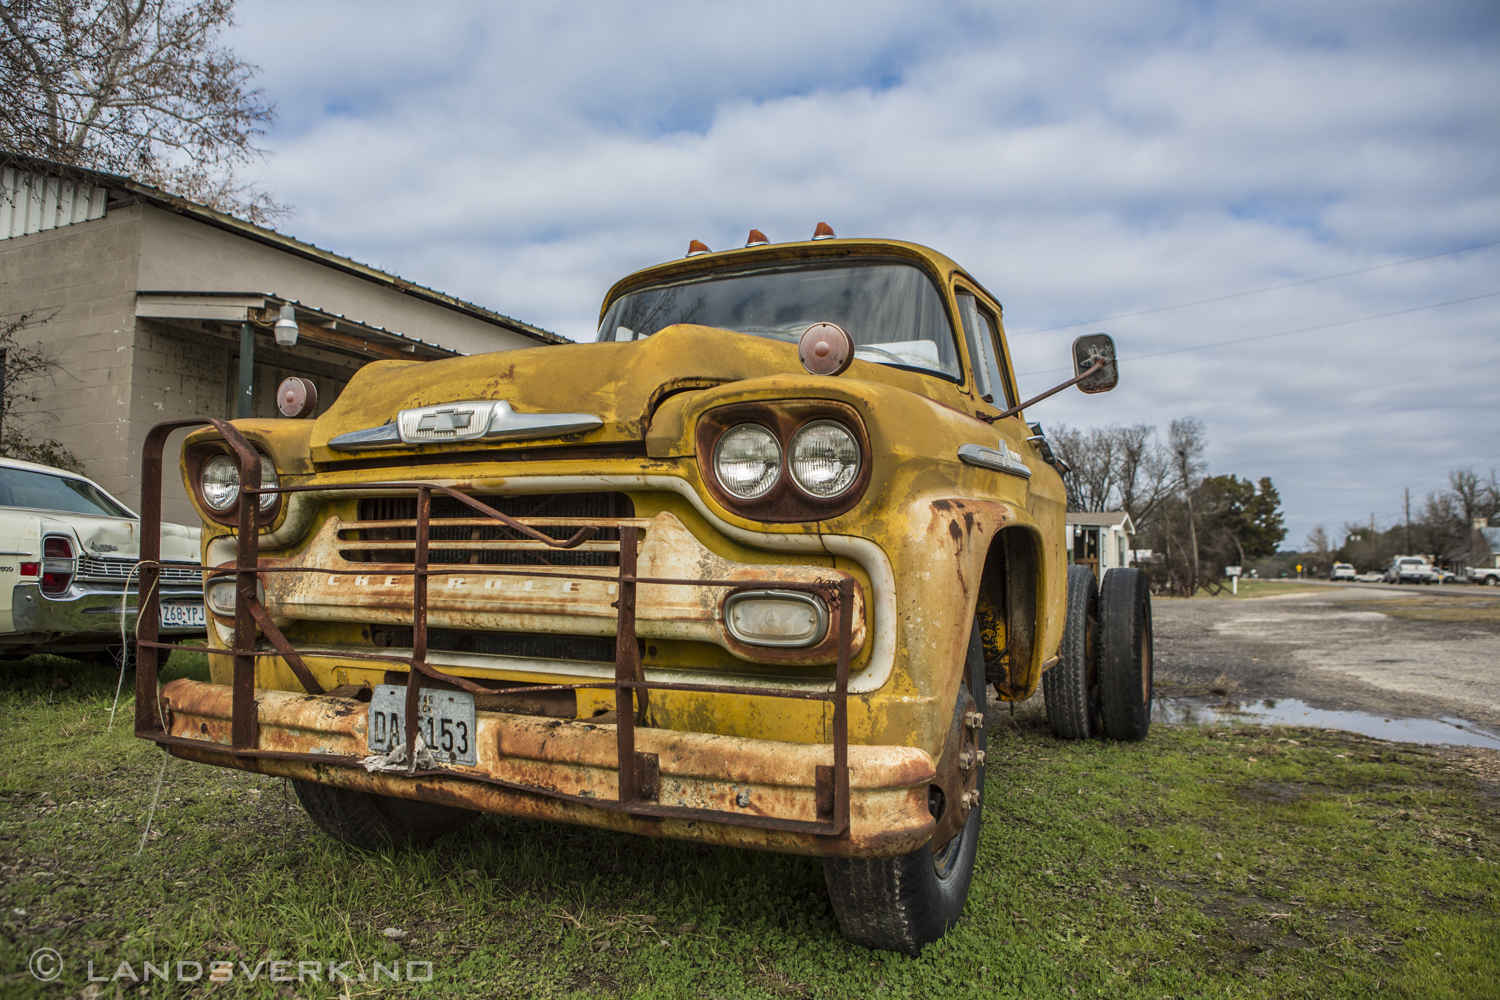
(374, 822)
(1071, 687)
(904, 903)
(1125, 651)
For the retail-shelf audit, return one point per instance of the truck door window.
(982, 334)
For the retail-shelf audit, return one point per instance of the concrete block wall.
(84, 277)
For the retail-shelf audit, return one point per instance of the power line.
(1287, 333)
(1257, 291)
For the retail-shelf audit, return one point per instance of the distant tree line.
(1442, 527)
(1193, 523)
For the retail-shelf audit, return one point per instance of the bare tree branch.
(136, 87)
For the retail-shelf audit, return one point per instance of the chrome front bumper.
(87, 613)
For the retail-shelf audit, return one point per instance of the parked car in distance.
(1370, 577)
(1487, 575)
(1410, 569)
(1447, 576)
(1342, 571)
(68, 551)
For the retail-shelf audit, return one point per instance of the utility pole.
(1408, 521)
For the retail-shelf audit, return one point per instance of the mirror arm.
(1055, 389)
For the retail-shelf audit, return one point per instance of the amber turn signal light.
(823, 232)
(696, 247)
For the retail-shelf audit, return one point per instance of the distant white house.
(1100, 540)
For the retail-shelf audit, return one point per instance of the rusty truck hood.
(620, 383)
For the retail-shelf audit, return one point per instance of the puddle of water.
(1291, 712)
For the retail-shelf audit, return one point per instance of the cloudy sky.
(1099, 166)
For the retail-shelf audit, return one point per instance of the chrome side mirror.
(1087, 352)
(1095, 369)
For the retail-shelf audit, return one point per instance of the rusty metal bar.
(199, 748)
(147, 623)
(247, 559)
(841, 710)
(581, 535)
(627, 662)
(418, 624)
(278, 641)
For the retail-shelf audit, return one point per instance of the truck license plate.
(183, 616)
(445, 720)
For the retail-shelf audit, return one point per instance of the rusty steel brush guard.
(638, 772)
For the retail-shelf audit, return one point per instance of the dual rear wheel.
(1101, 683)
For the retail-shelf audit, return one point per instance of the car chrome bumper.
(570, 762)
(86, 613)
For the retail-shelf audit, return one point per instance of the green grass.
(1241, 863)
(1250, 588)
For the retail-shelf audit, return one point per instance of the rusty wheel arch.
(1006, 606)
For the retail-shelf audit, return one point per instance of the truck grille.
(459, 535)
(93, 568)
(535, 645)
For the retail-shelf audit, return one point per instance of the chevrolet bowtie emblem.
(469, 420)
(445, 421)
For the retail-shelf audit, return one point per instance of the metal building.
(149, 304)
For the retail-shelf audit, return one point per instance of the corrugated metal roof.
(34, 203)
(202, 213)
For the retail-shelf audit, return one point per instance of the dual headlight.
(823, 460)
(219, 482)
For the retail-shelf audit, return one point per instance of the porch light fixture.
(286, 327)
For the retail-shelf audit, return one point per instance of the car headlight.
(219, 482)
(747, 461)
(824, 458)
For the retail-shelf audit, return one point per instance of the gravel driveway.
(1424, 652)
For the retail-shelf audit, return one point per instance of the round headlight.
(747, 461)
(268, 480)
(824, 458)
(220, 481)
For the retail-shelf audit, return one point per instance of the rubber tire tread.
(374, 822)
(900, 904)
(1071, 713)
(1124, 628)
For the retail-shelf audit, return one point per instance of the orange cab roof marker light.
(756, 239)
(695, 247)
(823, 232)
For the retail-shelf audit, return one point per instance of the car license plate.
(183, 616)
(445, 720)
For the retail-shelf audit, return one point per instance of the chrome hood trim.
(475, 420)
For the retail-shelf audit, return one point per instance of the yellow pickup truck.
(748, 570)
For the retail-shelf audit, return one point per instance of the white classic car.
(68, 552)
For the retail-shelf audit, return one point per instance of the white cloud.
(1082, 160)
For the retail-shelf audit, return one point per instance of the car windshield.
(39, 491)
(892, 310)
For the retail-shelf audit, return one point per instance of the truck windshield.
(39, 491)
(892, 310)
